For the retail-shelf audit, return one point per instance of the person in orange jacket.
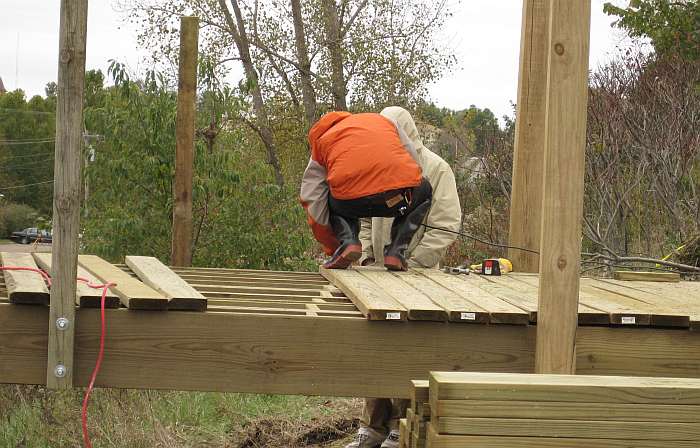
(362, 166)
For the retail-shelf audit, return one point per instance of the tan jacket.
(428, 246)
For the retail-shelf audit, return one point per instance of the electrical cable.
(466, 235)
(26, 185)
(36, 142)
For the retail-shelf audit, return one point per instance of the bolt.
(62, 323)
(60, 371)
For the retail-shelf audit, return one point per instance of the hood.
(405, 121)
(325, 123)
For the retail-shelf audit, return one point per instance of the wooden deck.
(292, 332)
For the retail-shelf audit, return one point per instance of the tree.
(672, 25)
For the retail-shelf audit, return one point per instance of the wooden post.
(562, 205)
(528, 157)
(184, 155)
(66, 197)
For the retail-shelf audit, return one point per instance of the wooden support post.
(184, 157)
(528, 157)
(562, 205)
(66, 198)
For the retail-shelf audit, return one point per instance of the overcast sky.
(484, 33)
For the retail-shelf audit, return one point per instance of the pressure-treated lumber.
(132, 293)
(158, 276)
(24, 286)
(567, 411)
(562, 388)
(457, 307)
(562, 193)
(419, 306)
(639, 276)
(500, 310)
(528, 155)
(528, 427)
(84, 295)
(66, 189)
(184, 147)
(317, 356)
(436, 440)
(369, 298)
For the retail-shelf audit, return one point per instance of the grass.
(32, 416)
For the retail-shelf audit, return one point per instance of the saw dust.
(330, 430)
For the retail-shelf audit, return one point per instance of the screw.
(60, 371)
(62, 323)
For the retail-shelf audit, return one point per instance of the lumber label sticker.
(628, 320)
(393, 316)
(468, 316)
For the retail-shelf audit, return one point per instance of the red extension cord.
(105, 287)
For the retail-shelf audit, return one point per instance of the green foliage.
(241, 218)
(672, 26)
(15, 217)
(27, 129)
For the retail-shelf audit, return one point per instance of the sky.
(485, 35)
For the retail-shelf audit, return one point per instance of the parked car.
(30, 235)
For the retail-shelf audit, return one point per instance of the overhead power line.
(34, 142)
(26, 185)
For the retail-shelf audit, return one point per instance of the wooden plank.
(562, 388)
(181, 253)
(419, 306)
(526, 302)
(621, 311)
(369, 298)
(528, 153)
(419, 392)
(24, 287)
(661, 312)
(562, 197)
(528, 285)
(403, 433)
(316, 356)
(457, 307)
(528, 427)
(158, 276)
(553, 410)
(500, 311)
(132, 293)
(436, 440)
(85, 296)
(639, 276)
(285, 354)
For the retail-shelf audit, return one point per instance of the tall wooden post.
(528, 157)
(66, 197)
(184, 154)
(562, 205)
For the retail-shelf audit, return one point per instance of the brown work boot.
(367, 438)
(392, 440)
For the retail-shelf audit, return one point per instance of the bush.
(15, 217)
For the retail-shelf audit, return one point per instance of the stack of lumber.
(562, 411)
(413, 428)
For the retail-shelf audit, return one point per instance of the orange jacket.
(353, 156)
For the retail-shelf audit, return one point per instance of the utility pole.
(67, 185)
(181, 254)
(562, 203)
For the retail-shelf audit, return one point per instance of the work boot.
(402, 231)
(392, 440)
(367, 438)
(347, 230)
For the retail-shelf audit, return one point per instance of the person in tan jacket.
(380, 416)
